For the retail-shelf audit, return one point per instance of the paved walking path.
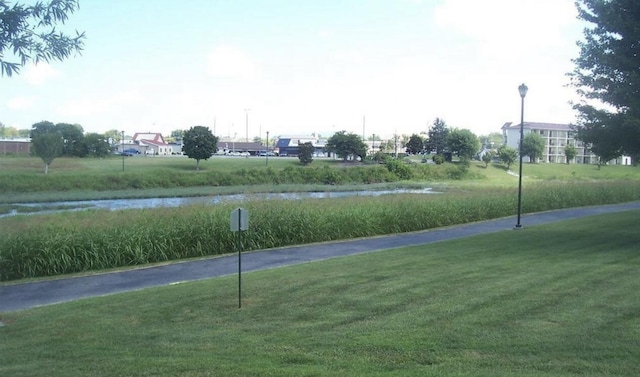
(28, 295)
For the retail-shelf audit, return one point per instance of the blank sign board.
(239, 220)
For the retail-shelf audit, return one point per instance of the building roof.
(154, 138)
(538, 126)
(295, 140)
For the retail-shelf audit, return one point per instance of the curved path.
(28, 295)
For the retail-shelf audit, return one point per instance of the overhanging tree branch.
(28, 33)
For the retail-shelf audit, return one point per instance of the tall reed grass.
(49, 245)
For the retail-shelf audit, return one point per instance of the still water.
(120, 204)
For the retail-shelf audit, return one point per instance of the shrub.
(438, 159)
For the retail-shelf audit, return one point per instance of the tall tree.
(464, 143)
(199, 143)
(415, 144)
(114, 136)
(73, 136)
(95, 145)
(532, 146)
(607, 77)
(438, 133)
(28, 33)
(46, 143)
(345, 144)
(41, 127)
(177, 134)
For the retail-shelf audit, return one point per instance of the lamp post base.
(518, 227)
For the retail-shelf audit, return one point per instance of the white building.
(556, 137)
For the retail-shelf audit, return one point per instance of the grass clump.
(555, 300)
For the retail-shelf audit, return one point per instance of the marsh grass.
(49, 245)
(557, 300)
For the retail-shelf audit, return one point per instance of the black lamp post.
(267, 154)
(523, 92)
(122, 152)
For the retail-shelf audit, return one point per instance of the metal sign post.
(239, 222)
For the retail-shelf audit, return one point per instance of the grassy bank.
(144, 174)
(550, 301)
(21, 179)
(49, 245)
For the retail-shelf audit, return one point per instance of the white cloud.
(38, 74)
(517, 24)
(21, 103)
(326, 34)
(96, 106)
(230, 62)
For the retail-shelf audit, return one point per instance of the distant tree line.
(442, 142)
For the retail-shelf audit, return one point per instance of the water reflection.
(120, 204)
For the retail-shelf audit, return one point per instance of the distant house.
(152, 143)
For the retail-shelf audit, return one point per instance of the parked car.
(129, 152)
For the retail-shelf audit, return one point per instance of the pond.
(120, 204)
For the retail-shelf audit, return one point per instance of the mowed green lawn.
(554, 300)
(142, 164)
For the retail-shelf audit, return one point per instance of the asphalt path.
(22, 296)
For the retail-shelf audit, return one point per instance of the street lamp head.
(523, 90)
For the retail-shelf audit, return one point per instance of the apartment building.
(556, 137)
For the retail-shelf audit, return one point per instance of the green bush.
(438, 159)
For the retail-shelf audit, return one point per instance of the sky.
(296, 67)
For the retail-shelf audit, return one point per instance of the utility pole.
(246, 112)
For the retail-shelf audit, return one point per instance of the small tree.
(29, 32)
(415, 144)
(507, 155)
(305, 153)
(570, 153)
(47, 146)
(199, 143)
(46, 142)
(487, 158)
(345, 145)
(532, 146)
(464, 143)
